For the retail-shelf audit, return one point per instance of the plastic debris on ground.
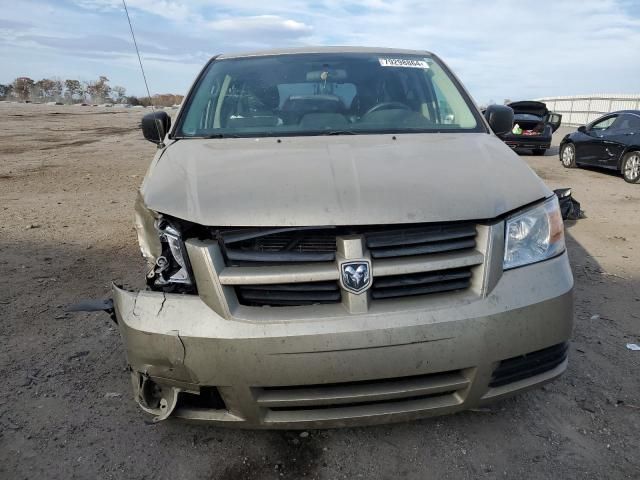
(569, 206)
(633, 346)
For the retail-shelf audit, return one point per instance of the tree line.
(54, 89)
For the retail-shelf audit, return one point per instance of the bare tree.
(84, 90)
(56, 88)
(119, 93)
(48, 89)
(73, 89)
(99, 89)
(22, 87)
(5, 90)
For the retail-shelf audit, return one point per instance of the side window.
(634, 123)
(448, 117)
(603, 125)
(453, 108)
(627, 123)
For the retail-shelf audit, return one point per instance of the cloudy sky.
(500, 49)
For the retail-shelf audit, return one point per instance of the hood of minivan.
(340, 180)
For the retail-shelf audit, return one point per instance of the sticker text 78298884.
(403, 62)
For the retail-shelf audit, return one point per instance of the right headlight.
(534, 235)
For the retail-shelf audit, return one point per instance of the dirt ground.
(68, 177)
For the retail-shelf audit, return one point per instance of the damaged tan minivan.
(336, 236)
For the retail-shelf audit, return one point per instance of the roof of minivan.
(292, 51)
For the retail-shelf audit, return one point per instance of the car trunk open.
(532, 116)
(528, 124)
(529, 116)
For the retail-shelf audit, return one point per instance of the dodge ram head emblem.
(356, 276)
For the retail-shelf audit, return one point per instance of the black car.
(611, 141)
(533, 126)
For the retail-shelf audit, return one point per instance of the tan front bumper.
(181, 344)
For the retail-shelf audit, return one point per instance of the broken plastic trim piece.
(569, 206)
(155, 399)
(90, 305)
(147, 234)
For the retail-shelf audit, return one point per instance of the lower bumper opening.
(208, 399)
(529, 365)
(387, 396)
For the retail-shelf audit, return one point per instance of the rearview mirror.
(500, 118)
(155, 126)
(582, 129)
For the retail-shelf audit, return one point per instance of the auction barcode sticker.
(403, 62)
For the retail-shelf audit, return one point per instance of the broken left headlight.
(171, 271)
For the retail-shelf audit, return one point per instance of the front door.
(593, 151)
(618, 136)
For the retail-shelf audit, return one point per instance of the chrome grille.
(299, 265)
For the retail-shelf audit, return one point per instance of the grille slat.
(297, 287)
(419, 235)
(383, 293)
(419, 241)
(289, 294)
(421, 278)
(234, 236)
(421, 283)
(280, 246)
(279, 257)
(423, 249)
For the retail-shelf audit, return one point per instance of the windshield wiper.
(339, 132)
(220, 135)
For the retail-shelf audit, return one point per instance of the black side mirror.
(155, 126)
(582, 129)
(500, 118)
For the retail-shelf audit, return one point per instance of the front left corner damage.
(153, 397)
(157, 362)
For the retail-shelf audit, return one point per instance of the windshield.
(333, 93)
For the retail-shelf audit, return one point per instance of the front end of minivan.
(345, 277)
